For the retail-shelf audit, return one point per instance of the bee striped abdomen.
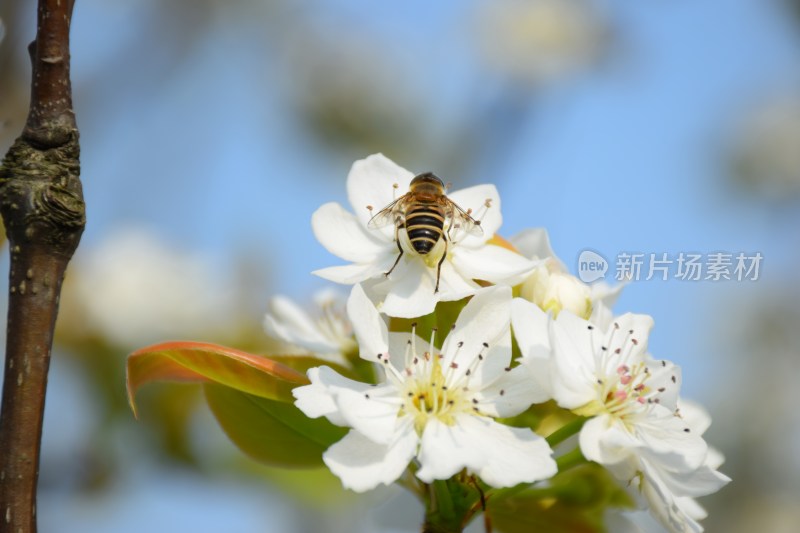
(424, 225)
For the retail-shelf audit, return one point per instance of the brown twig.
(41, 202)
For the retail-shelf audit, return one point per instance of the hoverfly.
(426, 215)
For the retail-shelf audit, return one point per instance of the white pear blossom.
(553, 288)
(669, 493)
(133, 288)
(434, 407)
(540, 41)
(635, 428)
(409, 290)
(329, 335)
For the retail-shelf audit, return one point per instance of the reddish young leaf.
(201, 362)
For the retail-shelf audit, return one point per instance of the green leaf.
(269, 431)
(517, 517)
(574, 501)
(200, 362)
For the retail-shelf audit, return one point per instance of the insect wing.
(461, 223)
(388, 215)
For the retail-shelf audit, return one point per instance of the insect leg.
(439, 266)
(397, 240)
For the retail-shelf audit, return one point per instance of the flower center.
(430, 388)
(624, 382)
(429, 396)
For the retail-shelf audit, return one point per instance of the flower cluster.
(442, 407)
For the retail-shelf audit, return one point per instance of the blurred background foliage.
(212, 130)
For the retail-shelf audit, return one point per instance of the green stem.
(411, 483)
(570, 460)
(565, 432)
(452, 504)
(439, 510)
(442, 502)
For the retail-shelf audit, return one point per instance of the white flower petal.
(664, 506)
(572, 361)
(492, 263)
(475, 198)
(714, 458)
(411, 292)
(534, 243)
(539, 372)
(371, 182)
(368, 325)
(515, 455)
(373, 412)
(483, 323)
(605, 293)
(454, 286)
(398, 346)
(511, 394)
(695, 415)
(665, 379)
(362, 464)
(601, 316)
(500, 455)
(705, 480)
(342, 235)
(531, 326)
(319, 398)
(691, 507)
(632, 326)
(354, 273)
(669, 441)
(444, 451)
(604, 439)
(287, 321)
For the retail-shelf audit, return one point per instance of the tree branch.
(41, 202)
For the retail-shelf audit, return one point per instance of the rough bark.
(41, 202)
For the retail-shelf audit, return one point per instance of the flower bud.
(554, 291)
